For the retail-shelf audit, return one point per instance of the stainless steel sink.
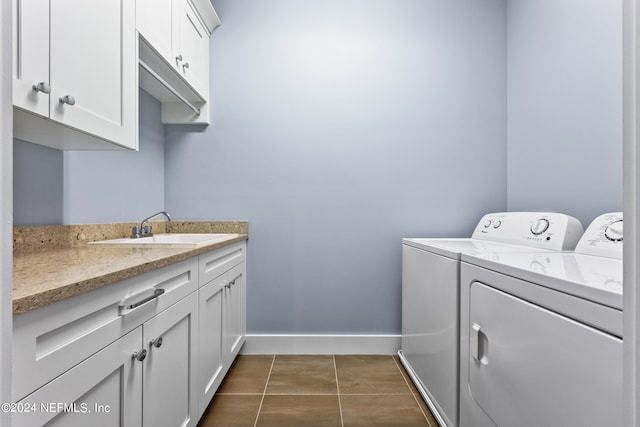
(176, 240)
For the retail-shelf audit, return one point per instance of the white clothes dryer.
(541, 334)
(431, 295)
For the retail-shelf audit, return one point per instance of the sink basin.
(176, 240)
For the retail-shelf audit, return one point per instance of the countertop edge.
(41, 299)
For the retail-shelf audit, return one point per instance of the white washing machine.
(541, 334)
(431, 295)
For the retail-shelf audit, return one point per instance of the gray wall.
(565, 106)
(79, 187)
(339, 128)
(38, 184)
(118, 186)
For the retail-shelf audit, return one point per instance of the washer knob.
(497, 224)
(540, 226)
(614, 231)
(487, 223)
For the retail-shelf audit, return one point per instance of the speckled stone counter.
(52, 263)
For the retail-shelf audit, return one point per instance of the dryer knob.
(487, 223)
(540, 226)
(614, 231)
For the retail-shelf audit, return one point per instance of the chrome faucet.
(146, 230)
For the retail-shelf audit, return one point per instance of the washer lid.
(593, 278)
(453, 248)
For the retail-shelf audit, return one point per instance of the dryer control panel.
(545, 230)
(603, 237)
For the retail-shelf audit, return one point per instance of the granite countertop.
(52, 263)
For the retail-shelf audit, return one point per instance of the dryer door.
(529, 366)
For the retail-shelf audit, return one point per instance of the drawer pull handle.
(126, 307)
(156, 342)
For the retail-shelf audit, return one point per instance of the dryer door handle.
(479, 345)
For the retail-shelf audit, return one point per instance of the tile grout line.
(264, 392)
(335, 370)
(412, 393)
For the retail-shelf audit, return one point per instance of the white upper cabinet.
(174, 56)
(156, 22)
(193, 55)
(75, 73)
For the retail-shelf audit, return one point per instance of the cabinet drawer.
(215, 263)
(50, 340)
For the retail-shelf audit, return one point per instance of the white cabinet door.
(93, 60)
(170, 370)
(194, 49)
(157, 23)
(234, 312)
(82, 59)
(31, 55)
(210, 355)
(104, 390)
(176, 49)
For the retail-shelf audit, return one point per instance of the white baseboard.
(321, 344)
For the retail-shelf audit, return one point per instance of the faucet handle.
(135, 232)
(147, 230)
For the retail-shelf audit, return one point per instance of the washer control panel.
(546, 230)
(603, 237)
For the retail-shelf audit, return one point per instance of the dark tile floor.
(323, 390)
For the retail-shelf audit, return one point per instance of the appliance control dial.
(540, 226)
(487, 223)
(497, 224)
(613, 231)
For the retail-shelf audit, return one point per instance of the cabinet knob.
(140, 355)
(68, 99)
(42, 87)
(179, 58)
(156, 342)
(185, 65)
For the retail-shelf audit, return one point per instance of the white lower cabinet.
(170, 370)
(100, 359)
(211, 352)
(234, 327)
(222, 329)
(104, 390)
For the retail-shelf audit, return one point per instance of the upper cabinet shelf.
(174, 56)
(74, 74)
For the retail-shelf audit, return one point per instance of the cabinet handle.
(157, 342)
(42, 87)
(125, 306)
(139, 355)
(68, 99)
